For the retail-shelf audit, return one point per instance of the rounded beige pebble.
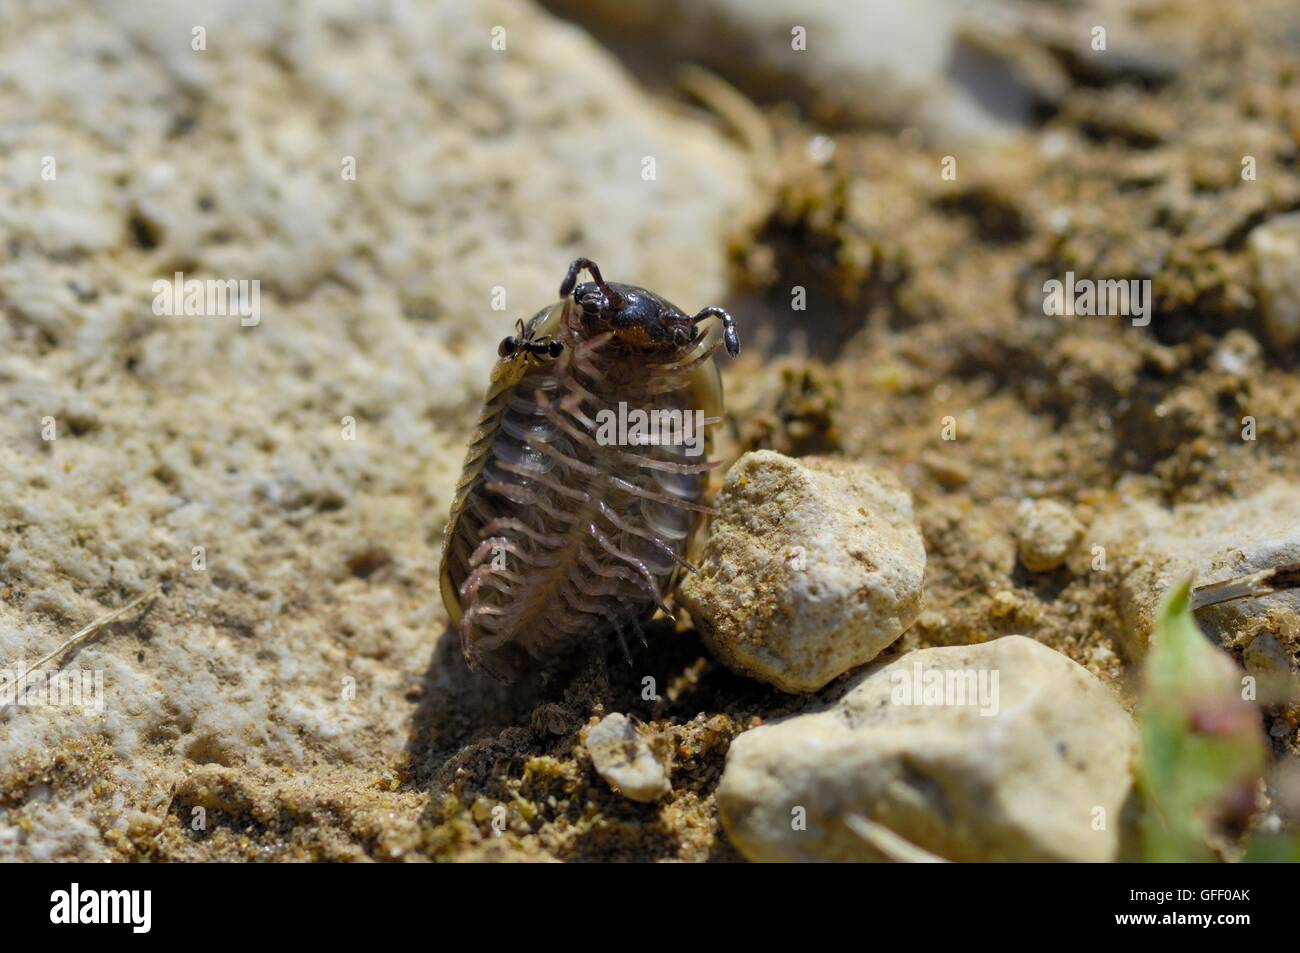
(812, 567)
(623, 758)
(1005, 751)
(1004, 603)
(1048, 533)
(1275, 249)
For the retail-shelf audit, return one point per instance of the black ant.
(522, 341)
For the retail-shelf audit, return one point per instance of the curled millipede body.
(585, 479)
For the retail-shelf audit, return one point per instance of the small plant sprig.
(1203, 750)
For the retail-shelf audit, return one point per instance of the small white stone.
(625, 760)
(1034, 766)
(812, 567)
(1048, 533)
(1275, 249)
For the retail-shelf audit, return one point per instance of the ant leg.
(571, 278)
(728, 327)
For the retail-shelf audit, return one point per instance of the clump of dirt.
(527, 789)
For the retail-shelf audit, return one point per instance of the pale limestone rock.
(625, 759)
(1042, 778)
(1150, 547)
(1275, 249)
(874, 62)
(1047, 533)
(298, 652)
(812, 567)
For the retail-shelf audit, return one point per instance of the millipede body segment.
(585, 479)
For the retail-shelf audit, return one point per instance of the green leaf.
(1273, 849)
(1203, 750)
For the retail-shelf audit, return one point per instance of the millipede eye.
(507, 347)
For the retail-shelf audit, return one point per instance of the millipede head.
(639, 319)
